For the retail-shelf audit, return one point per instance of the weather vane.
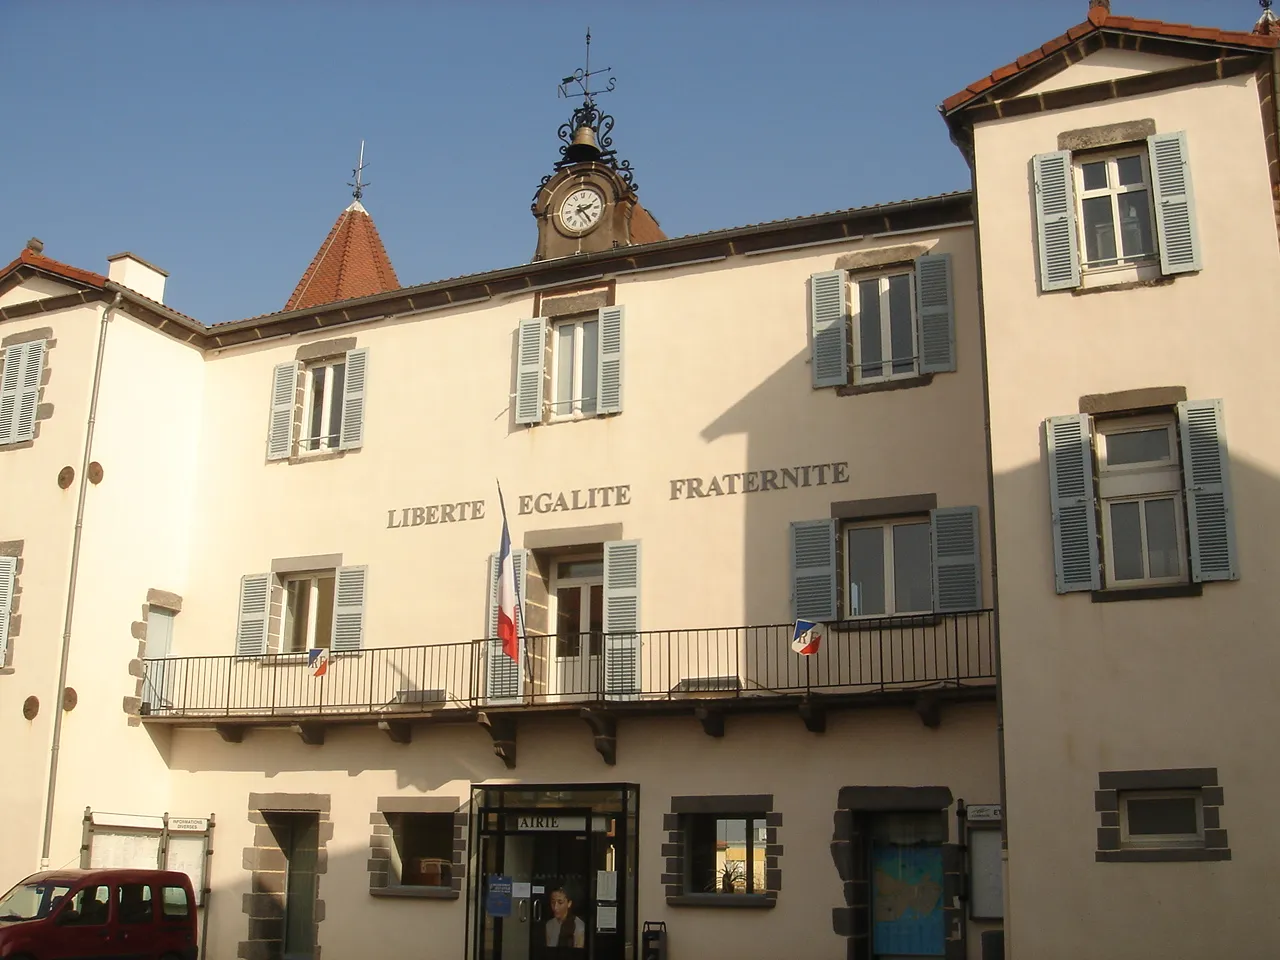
(357, 185)
(582, 77)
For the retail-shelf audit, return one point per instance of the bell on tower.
(588, 202)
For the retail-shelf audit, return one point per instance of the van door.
(177, 926)
(81, 927)
(136, 928)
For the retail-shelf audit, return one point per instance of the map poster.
(906, 897)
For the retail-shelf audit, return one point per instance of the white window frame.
(330, 405)
(1148, 840)
(1138, 483)
(886, 330)
(586, 583)
(575, 411)
(1122, 264)
(890, 593)
(313, 608)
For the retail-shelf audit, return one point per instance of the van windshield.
(32, 901)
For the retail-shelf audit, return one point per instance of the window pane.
(866, 571)
(1099, 230)
(580, 568)
(1162, 538)
(596, 625)
(1129, 170)
(900, 326)
(590, 351)
(335, 408)
(1135, 223)
(1126, 541)
(564, 369)
(701, 844)
(134, 903)
(1161, 816)
(173, 902)
(316, 421)
(568, 621)
(869, 328)
(731, 856)
(1095, 175)
(324, 611)
(1138, 446)
(297, 613)
(912, 573)
(89, 907)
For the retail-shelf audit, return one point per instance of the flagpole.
(520, 629)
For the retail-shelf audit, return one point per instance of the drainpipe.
(71, 585)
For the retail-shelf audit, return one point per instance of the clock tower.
(588, 202)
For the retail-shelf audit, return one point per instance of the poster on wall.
(139, 842)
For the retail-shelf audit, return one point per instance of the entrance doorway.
(298, 835)
(554, 877)
(578, 588)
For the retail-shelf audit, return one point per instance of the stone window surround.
(13, 548)
(309, 353)
(674, 850)
(44, 411)
(1106, 802)
(263, 905)
(161, 600)
(379, 865)
(850, 850)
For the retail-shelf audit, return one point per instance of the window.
(422, 852)
(1139, 485)
(725, 854)
(1168, 818)
(884, 328)
(88, 907)
(308, 611)
(133, 903)
(174, 903)
(890, 569)
(1116, 217)
(322, 405)
(575, 349)
(21, 370)
(32, 901)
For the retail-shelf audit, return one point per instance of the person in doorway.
(565, 929)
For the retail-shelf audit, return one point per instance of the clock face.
(581, 210)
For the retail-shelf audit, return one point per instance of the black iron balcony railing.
(886, 654)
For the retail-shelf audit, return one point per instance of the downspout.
(71, 585)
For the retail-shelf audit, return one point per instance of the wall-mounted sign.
(436, 513)
(760, 481)
(983, 811)
(587, 498)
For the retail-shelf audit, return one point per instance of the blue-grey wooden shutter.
(530, 362)
(1206, 478)
(1056, 221)
(957, 569)
(622, 639)
(348, 608)
(1073, 503)
(255, 609)
(829, 325)
(935, 314)
(8, 573)
(24, 427)
(284, 389)
(10, 381)
(813, 570)
(353, 391)
(1174, 202)
(502, 674)
(609, 361)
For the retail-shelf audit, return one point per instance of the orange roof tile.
(644, 228)
(1099, 19)
(350, 263)
(30, 258)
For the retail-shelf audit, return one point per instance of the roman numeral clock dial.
(581, 210)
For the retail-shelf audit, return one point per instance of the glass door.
(579, 593)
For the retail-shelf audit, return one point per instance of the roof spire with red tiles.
(1268, 24)
(351, 262)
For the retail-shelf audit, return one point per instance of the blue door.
(906, 900)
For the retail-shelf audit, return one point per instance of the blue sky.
(216, 139)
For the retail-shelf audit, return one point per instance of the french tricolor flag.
(508, 631)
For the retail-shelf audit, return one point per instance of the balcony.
(918, 660)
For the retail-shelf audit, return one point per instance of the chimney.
(35, 245)
(135, 273)
(1102, 6)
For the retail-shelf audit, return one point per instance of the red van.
(121, 914)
